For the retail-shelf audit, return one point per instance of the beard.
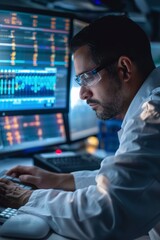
(108, 112)
(116, 104)
(111, 109)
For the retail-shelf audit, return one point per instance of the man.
(121, 201)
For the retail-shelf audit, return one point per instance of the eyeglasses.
(89, 78)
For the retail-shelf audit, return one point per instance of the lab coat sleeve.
(84, 178)
(124, 203)
(119, 210)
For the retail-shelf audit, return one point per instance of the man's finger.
(4, 180)
(18, 170)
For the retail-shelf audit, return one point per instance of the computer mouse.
(25, 226)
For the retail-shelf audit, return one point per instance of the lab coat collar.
(152, 82)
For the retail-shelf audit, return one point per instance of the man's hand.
(11, 195)
(42, 178)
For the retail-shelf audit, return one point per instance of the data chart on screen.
(34, 61)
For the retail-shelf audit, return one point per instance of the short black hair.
(113, 36)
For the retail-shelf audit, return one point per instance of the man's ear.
(125, 67)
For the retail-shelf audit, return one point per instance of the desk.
(53, 236)
(7, 163)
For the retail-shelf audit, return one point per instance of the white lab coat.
(121, 201)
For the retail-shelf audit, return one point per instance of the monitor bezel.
(46, 12)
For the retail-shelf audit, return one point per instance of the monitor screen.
(82, 119)
(34, 61)
(31, 133)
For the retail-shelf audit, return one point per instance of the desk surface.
(7, 163)
(11, 162)
(53, 236)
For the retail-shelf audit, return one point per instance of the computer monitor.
(21, 135)
(42, 132)
(82, 119)
(34, 61)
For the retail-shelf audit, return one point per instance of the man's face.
(106, 96)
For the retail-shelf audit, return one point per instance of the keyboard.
(6, 213)
(67, 162)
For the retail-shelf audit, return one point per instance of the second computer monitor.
(82, 119)
(21, 135)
